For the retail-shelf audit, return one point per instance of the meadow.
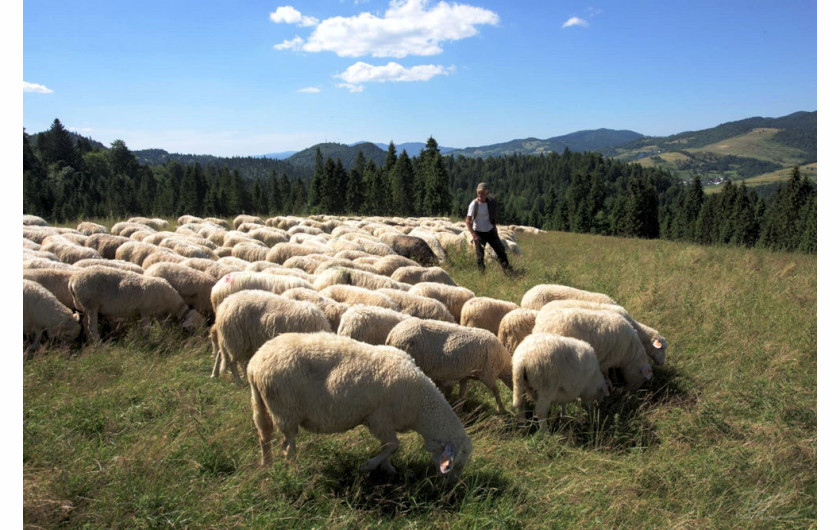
(134, 433)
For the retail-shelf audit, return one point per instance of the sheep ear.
(445, 462)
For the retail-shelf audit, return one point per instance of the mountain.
(412, 149)
(346, 153)
(278, 156)
(592, 140)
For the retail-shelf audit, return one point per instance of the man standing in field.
(482, 216)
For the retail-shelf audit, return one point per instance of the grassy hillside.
(134, 433)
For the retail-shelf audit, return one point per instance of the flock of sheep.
(336, 322)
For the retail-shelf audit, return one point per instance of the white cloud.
(409, 27)
(358, 74)
(291, 44)
(34, 87)
(309, 90)
(576, 21)
(290, 15)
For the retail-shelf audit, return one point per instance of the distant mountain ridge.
(589, 140)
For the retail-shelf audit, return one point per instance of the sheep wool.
(193, 285)
(453, 297)
(515, 326)
(328, 384)
(485, 312)
(368, 323)
(541, 294)
(43, 313)
(552, 369)
(451, 352)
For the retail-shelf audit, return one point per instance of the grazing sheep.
(418, 306)
(106, 244)
(485, 312)
(552, 369)
(243, 218)
(347, 264)
(243, 280)
(56, 281)
(250, 251)
(334, 310)
(269, 236)
(137, 251)
(156, 224)
(164, 256)
(415, 275)
(115, 263)
(515, 326)
(451, 352)
(246, 319)
(654, 343)
(43, 313)
(88, 228)
(115, 293)
(410, 247)
(326, 384)
(386, 265)
(280, 252)
(453, 297)
(368, 323)
(33, 220)
(539, 295)
(193, 285)
(616, 343)
(351, 294)
(347, 276)
(68, 251)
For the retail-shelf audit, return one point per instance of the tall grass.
(134, 433)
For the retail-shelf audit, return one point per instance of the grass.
(133, 433)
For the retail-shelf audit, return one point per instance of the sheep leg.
(214, 340)
(496, 394)
(390, 443)
(541, 412)
(91, 320)
(264, 424)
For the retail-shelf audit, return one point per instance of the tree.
(56, 146)
(402, 186)
(356, 185)
(316, 190)
(434, 180)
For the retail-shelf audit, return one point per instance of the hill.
(592, 140)
(346, 153)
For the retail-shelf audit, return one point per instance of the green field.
(134, 434)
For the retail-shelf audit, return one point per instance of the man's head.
(482, 190)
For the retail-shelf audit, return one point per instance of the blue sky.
(247, 78)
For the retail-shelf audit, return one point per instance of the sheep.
(415, 275)
(250, 251)
(453, 297)
(56, 281)
(654, 343)
(242, 280)
(410, 247)
(137, 251)
(327, 383)
(122, 294)
(105, 244)
(68, 251)
(418, 306)
(246, 319)
(332, 309)
(351, 294)
(386, 265)
(269, 236)
(280, 252)
(115, 263)
(156, 224)
(88, 228)
(370, 324)
(193, 285)
(346, 263)
(376, 248)
(33, 220)
(485, 312)
(616, 343)
(431, 239)
(43, 313)
(552, 369)
(451, 352)
(163, 256)
(539, 295)
(347, 276)
(515, 326)
(308, 263)
(243, 218)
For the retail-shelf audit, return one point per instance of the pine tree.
(356, 185)
(316, 190)
(434, 180)
(402, 186)
(57, 148)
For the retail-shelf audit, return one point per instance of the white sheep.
(653, 341)
(351, 294)
(453, 297)
(541, 294)
(56, 281)
(193, 285)
(246, 319)
(485, 312)
(551, 368)
(418, 274)
(515, 326)
(106, 244)
(368, 323)
(242, 280)
(327, 384)
(280, 252)
(67, 250)
(616, 343)
(451, 352)
(333, 309)
(338, 275)
(418, 306)
(116, 293)
(43, 313)
(386, 265)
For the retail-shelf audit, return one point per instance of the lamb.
(552, 369)
(453, 297)
(418, 306)
(539, 295)
(515, 326)
(193, 285)
(415, 275)
(370, 324)
(327, 384)
(616, 343)
(451, 352)
(246, 319)
(485, 312)
(654, 343)
(122, 294)
(242, 280)
(43, 313)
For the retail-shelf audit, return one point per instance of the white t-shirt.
(480, 215)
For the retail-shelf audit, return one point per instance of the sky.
(248, 78)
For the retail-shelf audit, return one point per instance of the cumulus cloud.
(309, 90)
(34, 87)
(576, 21)
(408, 27)
(290, 15)
(360, 73)
(291, 44)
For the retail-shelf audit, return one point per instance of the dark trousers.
(491, 237)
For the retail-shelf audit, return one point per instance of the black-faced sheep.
(552, 369)
(327, 384)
